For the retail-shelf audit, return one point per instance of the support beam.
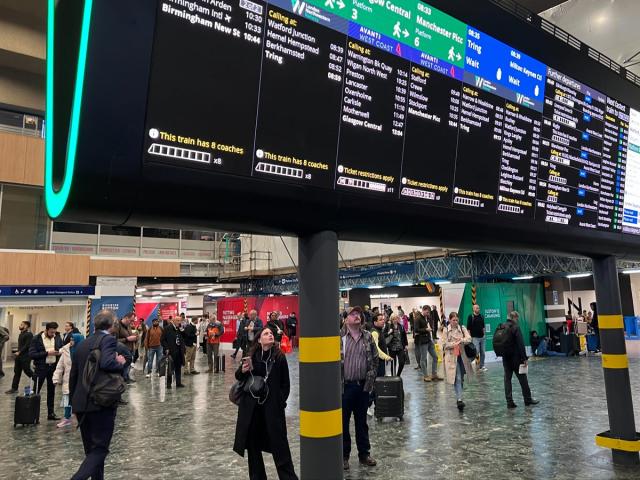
(621, 438)
(320, 384)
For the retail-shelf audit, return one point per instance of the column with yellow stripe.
(621, 438)
(320, 382)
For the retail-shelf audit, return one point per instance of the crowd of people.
(370, 340)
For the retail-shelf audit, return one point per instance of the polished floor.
(188, 434)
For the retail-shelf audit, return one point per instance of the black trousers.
(96, 429)
(355, 400)
(509, 371)
(399, 358)
(21, 365)
(46, 375)
(257, 430)
(175, 369)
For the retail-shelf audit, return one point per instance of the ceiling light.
(345, 289)
(384, 295)
(525, 277)
(442, 282)
(217, 294)
(157, 297)
(629, 272)
(405, 284)
(168, 294)
(139, 296)
(287, 293)
(374, 287)
(579, 275)
(183, 295)
(209, 289)
(140, 290)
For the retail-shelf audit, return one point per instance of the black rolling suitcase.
(569, 344)
(169, 371)
(27, 410)
(220, 363)
(389, 393)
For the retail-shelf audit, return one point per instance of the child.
(62, 374)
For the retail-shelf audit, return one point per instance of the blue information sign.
(46, 291)
(503, 66)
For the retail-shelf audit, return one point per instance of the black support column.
(622, 438)
(320, 382)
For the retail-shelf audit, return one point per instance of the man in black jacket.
(476, 327)
(424, 342)
(190, 335)
(45, 353)
(96, 423)
(23, 362)
(512, 362)
(173, 346)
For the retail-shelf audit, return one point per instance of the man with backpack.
(509, 344)
(96, 418)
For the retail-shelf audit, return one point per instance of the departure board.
(387, 98)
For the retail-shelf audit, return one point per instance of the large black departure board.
(391, 99)
(448, 123)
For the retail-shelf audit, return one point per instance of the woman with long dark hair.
(261, 425)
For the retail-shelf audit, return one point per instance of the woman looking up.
(261, 425)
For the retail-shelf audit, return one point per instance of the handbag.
(237, 392)
(470, 350)
(285, 345)
(257, 387)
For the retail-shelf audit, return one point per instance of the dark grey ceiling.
(538, 6)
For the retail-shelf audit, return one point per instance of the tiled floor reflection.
(188, 434)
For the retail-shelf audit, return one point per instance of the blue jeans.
(355, 400)
(151, 352)
(428, 349)
(541, 351)
(480, 348)
(457, 386)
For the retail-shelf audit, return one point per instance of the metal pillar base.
(622, 438)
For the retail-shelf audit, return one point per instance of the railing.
(201, 254)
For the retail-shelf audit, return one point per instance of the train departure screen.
(394, 99)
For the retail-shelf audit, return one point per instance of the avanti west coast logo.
(68, 25)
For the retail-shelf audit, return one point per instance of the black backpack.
(104, 388)
(503, 341)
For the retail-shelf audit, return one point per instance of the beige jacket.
(63, 370)
(448, 338)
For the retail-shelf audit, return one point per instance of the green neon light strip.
(56, 200)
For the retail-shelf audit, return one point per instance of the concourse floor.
(188, 434)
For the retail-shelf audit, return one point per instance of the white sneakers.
(64, 423)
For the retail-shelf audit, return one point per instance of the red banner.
(168, 310)
(229, 308)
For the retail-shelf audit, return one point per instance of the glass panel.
(197, 235)
(161, 233)
(122, 231)
(23, 220)
(160, 243)
(75, 228)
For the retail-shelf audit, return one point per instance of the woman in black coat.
(276, 326)
(261, 425)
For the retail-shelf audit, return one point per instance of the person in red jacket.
(215, 330)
